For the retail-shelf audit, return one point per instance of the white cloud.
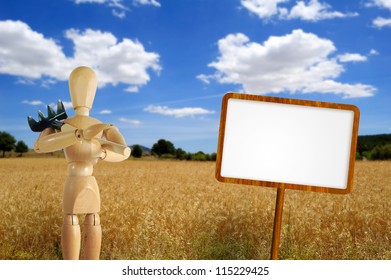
(28, 54)
(312, 10)
(25, 81)
(118, 4)
(67, 104)
(132, 89)
(296, 62)
(105, 112)
(346, 90)
(90, 1)
(315, 11)
(380, 3)
(351, 57)
(179, 112)
(265, 9)
(382, 22)
(32, 102)
(147, 2)
(204, 78)
(118, 14)
(373, 52)
(117, 62)
(131, 122)
(48, 82)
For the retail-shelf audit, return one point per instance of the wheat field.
(177, 210)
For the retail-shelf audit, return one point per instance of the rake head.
(53, 120)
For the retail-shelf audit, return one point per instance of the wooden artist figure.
(81, 138)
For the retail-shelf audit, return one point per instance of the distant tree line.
(165, 149)
(162, 149)
(8, 143)
(374, 147)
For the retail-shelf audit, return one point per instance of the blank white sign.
(287, 143)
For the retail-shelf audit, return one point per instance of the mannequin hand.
(93, 130)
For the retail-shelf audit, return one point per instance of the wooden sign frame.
(347, 121)
(323, 106)
(237, 105)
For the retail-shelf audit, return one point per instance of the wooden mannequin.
(81, 139)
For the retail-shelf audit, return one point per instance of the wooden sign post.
(286, 144)
(277, 223)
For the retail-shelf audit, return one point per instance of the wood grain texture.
(277, 224)
(325, 189)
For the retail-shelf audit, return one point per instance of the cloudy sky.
(163, 65)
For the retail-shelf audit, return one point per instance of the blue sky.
(164, 65)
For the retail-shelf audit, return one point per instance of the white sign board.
(279, 142)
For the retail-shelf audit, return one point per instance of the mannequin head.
(82, 88)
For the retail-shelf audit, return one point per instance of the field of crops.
(177, 210)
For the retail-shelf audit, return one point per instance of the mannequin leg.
(70, 237)
(92, 237)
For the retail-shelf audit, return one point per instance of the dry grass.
(177, 210)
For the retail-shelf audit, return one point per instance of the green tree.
(180, 154)
(137, 152)
(199, 156)
(21, 147)
(163, 147)
(381, 152)
(7, 142)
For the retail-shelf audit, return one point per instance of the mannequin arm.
(115, 148)
(50, 141)
(114, 152)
